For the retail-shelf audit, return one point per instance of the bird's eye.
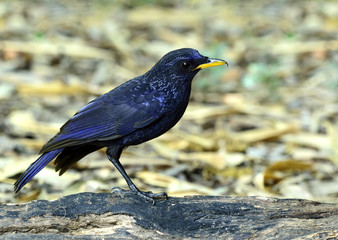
(186, 65)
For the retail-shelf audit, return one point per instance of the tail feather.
(71, 155)
(34, 168)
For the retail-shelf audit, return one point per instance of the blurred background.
(267, 125)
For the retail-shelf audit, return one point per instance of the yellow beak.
(212, 62)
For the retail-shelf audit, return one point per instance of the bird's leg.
(113, 155)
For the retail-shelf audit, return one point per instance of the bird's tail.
(34, 168)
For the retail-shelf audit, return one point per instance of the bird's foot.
(148, 196)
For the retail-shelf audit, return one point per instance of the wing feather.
(108, 118)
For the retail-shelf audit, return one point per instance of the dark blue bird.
(140, 109)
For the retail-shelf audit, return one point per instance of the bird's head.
(183, 64)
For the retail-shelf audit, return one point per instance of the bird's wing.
(107, 117)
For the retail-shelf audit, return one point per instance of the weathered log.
(127, 216)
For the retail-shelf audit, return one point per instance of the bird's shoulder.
(137, 91)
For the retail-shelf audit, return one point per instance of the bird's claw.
(162, 195)
(117, 189)
(148, 196)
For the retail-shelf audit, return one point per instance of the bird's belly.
(154, 129)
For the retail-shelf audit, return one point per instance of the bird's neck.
(166, 83)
